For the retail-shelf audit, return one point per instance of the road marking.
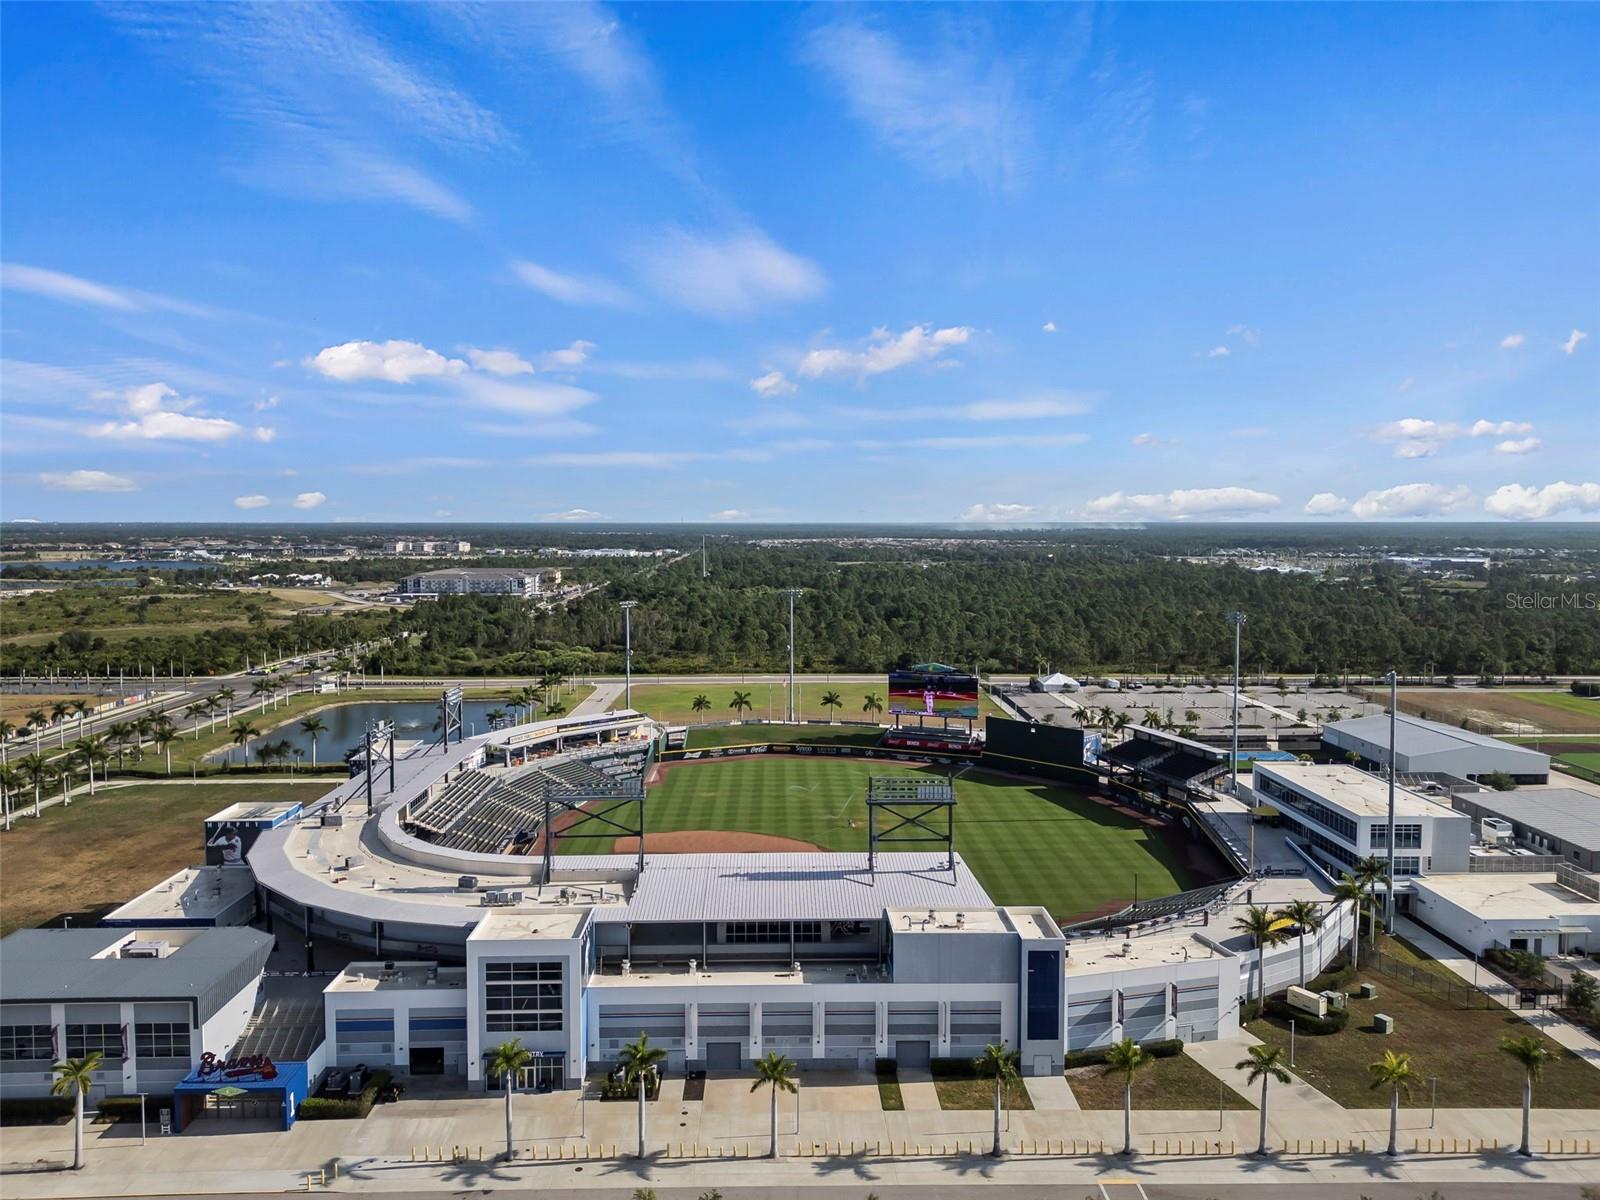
(1122, 1183)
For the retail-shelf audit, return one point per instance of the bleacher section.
(1182, 768)
(1132, 753)
(499, 813)
(1165, 910)
(1157, 756)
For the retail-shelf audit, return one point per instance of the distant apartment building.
(419, 546)
(481, 581)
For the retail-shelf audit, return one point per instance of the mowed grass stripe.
(1028, 843)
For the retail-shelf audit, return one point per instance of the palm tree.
(1120, 722)
(91, 752)
(1307, 915)
(777, 1071)
(7, 729)
(1266, 929)
(74, 1077)
(259, 690)
(999, 1064)
(740, 702)
(36, 724)
(1266, 1064)
(1534, 1055)
(506, 1062)
(700, 704)
(58, 716)
(225, 697)
(872, 705)
(162, 736)
(39, 772)
(1150, 719)
(80, 709)
(1349, 890)
(1126, 1059)
(1396, 1073)
(241, 732)
(830, 701)
(1372, 871)
(640, 1061)
(312, 726)
(194, 712)
(10, 781)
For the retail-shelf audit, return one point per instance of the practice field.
(674, 703)
(1027, 842)
(1506, 712)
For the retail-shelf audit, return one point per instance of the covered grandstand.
(1166, 761)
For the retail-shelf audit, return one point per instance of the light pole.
(791, 593)
(627, 607)
(1237, 620)
(141, 1118)
(1394, 704)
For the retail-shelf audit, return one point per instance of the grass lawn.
(977, 1093)
(1027, 842)
(890, 1098)
(1589, 762)
(106, 849)
(1458, 1045)
(672, 702)
(1170, 1084)
(1565, 701)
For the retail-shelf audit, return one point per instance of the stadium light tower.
(1237, 620)
(627, 607)
(1388, 904)
(791, 593)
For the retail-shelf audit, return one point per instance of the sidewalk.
(1295, 1106)
(1583, 1044)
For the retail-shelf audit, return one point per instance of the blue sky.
(657, 262)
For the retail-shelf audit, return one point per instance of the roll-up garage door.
(1144, 1014)
(1089, 1020)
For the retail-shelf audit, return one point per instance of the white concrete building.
(482, 581)
(1547, 912)
(1340, 814)
(1429, 747)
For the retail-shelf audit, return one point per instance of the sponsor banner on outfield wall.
(818, 751)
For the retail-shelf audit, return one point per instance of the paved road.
(1111, 1189)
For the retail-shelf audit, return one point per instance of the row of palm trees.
(741, 703)
(88, 753)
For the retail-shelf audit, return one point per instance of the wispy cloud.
(884, 351)
(1574, 339)
(582, 290)
(726, 275)
(249, 502)
(87, 481)
(573, 514)
(499, 362)
(999, 514)
(1183, 502)
(652, 460)
(773, 383)
(1513, 341)
(74, 289)
(948, 109)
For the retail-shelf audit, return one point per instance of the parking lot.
(1209, 710)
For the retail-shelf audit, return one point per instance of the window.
(1406, 837)
(26, 1043)
(1044, 995)
(161, 1039)
(745, 933)
(522, 996)
(85, 1039)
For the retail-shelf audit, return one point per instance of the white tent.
(1059, 683)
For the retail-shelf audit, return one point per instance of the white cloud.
(1024, 408)
(731, 514)
(949, 110)
(1512, 341)
(1570, 346)
(655, 460)
(499, 362)
(996, 441)
(532, 398)
(1184, 502)
(1049, 327)
(572, 514)
(1245, 334)
(1518, 446)
(1416, 437)
(575, 355)
(733, 275)
(264, 404)
(87, 481)
(1218, 352)
(1519, 502)
(264, 433)
(1326, 504)
(310, 500)
(773, 383)
(885, 351)
(394, 361)
(158, 414)
(1150, 439)
(1412, 500)
(256, 501)
(583, 290)
(73, 289)
(994, 514)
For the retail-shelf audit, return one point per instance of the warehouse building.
(1557, 821)
(1429, 747)
(482, 581)
(151, 1002)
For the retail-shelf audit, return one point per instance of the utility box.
(1383, 1022)
(1337, 1000)
(1367, 991)
(1308, 1001)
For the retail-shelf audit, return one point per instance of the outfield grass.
(106, 849)
(1589, 762)
(1028, 843)
(1565, 701)
(674, 703)
(747, 735)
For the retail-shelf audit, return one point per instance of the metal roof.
(210, 966)
(793, 887)
(1416, 735)
(1565, 814)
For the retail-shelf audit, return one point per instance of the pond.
(414, 721)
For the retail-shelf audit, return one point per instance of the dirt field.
(1503, 712)
(15, 707)
(712, 841)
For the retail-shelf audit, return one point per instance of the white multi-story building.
(428, 546)
(1340, 815)
(483, 581)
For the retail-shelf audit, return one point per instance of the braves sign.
(249, 1066)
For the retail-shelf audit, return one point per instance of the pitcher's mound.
(712, 841)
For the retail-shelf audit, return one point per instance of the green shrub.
(1166, 1048)
(1280, 1009)
(126, 1108)
(1249, 1011)
(316, 1108)
(34, 1110)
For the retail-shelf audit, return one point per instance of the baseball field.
(1027, 842)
